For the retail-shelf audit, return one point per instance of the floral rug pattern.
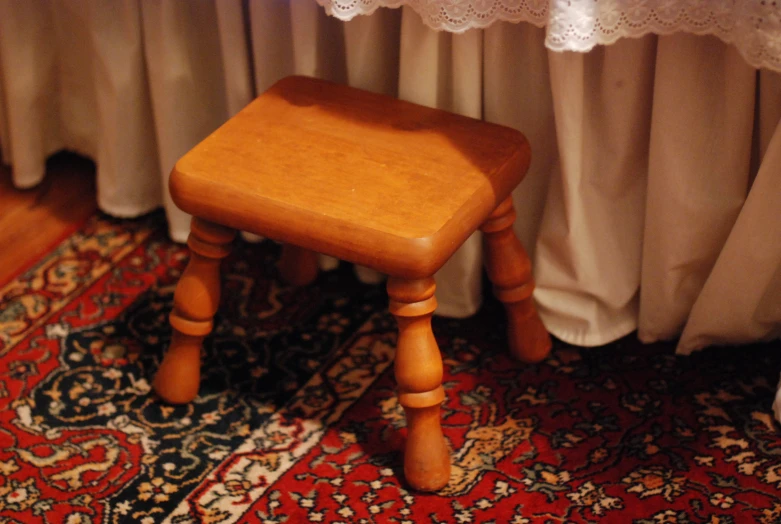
(297, 421)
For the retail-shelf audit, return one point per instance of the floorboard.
(33, 220)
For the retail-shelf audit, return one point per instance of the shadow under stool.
(373, 180)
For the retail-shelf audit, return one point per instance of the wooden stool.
(369, 179)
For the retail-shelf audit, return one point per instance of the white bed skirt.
(654, 197)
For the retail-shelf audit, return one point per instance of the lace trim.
(753, 26)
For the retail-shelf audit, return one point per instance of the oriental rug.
(296, 420)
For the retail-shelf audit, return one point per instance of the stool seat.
(359, 176)
(373, 180)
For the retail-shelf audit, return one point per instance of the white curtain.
(653, 198)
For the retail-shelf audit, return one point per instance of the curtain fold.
(186, 80)
(650, 204)
(126, 150)
(589, 245)
(31, 107)
(740, 301)
(689, 217)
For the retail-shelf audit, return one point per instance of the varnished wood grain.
(387, 184)
(418, 368)
(33, 221)
(364, 177)
(510, 271)
(195, 303)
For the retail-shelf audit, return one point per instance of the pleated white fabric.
(590, 242)
(651, 202)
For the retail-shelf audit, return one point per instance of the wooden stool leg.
(418, 369)
(195, 302)
(510, 270)
(298, 266)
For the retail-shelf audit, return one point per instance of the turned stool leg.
(195, 302)
(298, 266)
(510, 270)
(418, 369)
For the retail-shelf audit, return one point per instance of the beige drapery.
(651, 203)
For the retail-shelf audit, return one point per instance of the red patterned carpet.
(297, 421)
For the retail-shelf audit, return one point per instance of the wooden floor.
(33, 220)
